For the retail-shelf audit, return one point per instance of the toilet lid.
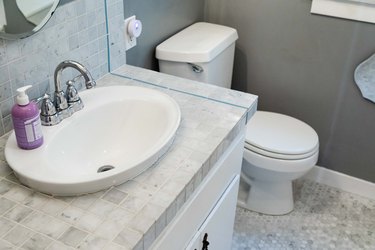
(280, 136)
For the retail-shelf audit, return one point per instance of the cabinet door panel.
(219, 224)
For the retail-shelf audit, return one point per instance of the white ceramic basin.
(124, 127)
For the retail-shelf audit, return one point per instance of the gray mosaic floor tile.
(323, 218)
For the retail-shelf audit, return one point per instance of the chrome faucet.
(65, 104)
(60, 99)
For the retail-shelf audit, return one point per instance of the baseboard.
(342, 181)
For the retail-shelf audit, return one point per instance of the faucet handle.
(48, 113)
(47, 107)
(74, 101)
(71, 92)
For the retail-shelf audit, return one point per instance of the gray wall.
(299, 64)
(302, 65)
(160, 20)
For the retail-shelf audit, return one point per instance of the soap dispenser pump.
(26, 121)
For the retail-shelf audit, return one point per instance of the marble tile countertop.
(133, 214)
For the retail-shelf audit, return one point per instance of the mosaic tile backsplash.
(77, 31)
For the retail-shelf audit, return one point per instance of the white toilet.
(278, 148)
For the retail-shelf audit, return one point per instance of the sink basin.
(121, 131)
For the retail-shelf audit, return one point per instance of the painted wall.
(76, 31)
(160, 20)
(302, 65)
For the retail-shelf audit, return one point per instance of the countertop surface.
(133, 214)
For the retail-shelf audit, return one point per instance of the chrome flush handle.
(196, 68)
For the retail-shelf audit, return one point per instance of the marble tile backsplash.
(77, 31)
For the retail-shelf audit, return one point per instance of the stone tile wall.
(77, 31)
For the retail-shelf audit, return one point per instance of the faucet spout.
(89, 81)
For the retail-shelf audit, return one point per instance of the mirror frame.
(35, 29)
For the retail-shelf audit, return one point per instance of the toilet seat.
(280, 136)
(280, 156)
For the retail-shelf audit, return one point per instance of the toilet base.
(273, 198)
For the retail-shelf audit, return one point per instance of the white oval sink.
(121, 131)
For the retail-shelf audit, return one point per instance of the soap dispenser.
(26, 121)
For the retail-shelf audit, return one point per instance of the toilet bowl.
(278, 148)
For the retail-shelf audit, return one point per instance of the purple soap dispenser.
(26, 121)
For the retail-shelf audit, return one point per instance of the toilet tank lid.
(200, 42)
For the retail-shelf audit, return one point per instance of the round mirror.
(22, 18)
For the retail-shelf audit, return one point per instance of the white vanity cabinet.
(210, 209)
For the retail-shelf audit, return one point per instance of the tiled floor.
(323, 218)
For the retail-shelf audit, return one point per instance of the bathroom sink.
(121, 131)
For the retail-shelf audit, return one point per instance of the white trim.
(342, 181)
(361, 10)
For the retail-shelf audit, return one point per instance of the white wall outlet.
(130, 42)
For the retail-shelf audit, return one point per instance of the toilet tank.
(203, 52)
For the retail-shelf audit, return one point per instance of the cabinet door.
(217, 230)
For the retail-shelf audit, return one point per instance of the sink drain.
(105, 168)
